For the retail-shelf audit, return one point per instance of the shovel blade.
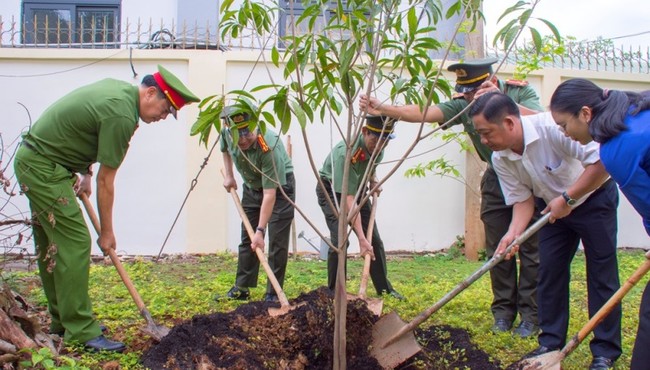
(391, 355)
(375, 305)
(283, 310)
(547, 361)
(156, 332)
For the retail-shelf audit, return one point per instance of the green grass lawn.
(183, 287)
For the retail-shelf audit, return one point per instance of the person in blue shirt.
(620, 122)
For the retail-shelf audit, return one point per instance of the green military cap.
(471, 74)
(381, 126)
(235, 117)
(177, 93)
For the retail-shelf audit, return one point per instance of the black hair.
(149, 81)
(494, 106)
(608, 107)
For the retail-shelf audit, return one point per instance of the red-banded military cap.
(177, 93)
(472, 73)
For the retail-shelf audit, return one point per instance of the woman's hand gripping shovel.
(552, 360)
(393, 340)
(284, 303)
(375, 305)
(157, 332)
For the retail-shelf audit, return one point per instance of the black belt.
(28, 146)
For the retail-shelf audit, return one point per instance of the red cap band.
(177, 101)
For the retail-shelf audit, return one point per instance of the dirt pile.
(248, 338)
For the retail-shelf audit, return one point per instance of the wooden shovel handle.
(111, 253)
(260, 254)
(612, 302)
(367, 259)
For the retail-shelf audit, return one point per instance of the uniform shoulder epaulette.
(262, 142)
(458, 96)
(358, 156)
(520, 83)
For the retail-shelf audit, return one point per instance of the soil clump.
(249, 338)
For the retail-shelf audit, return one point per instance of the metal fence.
(44, 33)
(583, 56)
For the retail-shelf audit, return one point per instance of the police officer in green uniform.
(512, 294)
(93, 123)
(265, 166)
(373, 138)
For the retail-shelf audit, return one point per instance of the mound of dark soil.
(249, 338)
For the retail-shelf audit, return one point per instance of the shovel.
(157, 332)
(391, 349)
(375, 305)
(552, 360)
(284, 303)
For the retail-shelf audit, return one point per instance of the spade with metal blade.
(284, 302)
(393, 340)
(157, 332)
(375, 305)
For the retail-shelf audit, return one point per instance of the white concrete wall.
(413, 214)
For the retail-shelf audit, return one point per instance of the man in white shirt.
(540, 167)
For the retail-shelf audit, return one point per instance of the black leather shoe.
(501, 325)
(271, 297)
(539, 351)
(61, 333)
(526, 329)
(394, 294)
(101, 343)
(234, 293)
(601, 363)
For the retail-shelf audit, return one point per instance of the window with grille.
(290, 12)
(68, 23)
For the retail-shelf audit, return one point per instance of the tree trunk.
(18, 330)
(340, 311)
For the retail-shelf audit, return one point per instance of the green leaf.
(206, 100)
(300, 115)
(501, 34)
(225, 5)
(551, 26)
(242, 93)
(537, 39)
(282, 110)
(275, 56)
(511, 9)
(412, 21)
(523, 18)
(269, 118)
(509, 38)
(263, 87)
(453, 10)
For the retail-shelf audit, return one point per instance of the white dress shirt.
(550, 163)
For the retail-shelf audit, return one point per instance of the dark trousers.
(378, 269)
(278, 229)
(512, 294)
(594, 222)
(641, 352)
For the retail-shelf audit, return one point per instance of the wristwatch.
(570, 201)
(262, 230)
